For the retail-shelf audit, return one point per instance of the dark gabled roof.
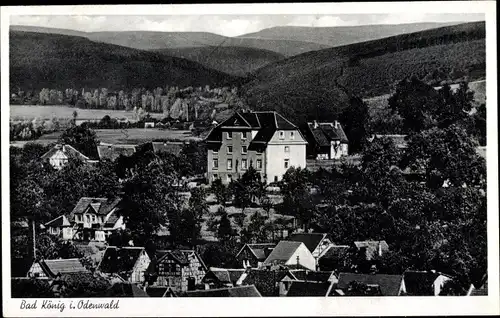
(336, 252)
(260, 250)
(420, 283)
(68, 150)
(112, 152)
(310, 240)
(282, 252)
(156, 291)
(372, 248)
(389, 284)
(324, 133)
(318, 276)
(302, 288)
(54, 267)
(101, 206)
(120, 260)
(266, 122)
(224, 275)
(265, 280)
(239, 291)
(59, 221)
(125, 290)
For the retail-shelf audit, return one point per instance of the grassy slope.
(57, 61)
(147, 40)
(338, 36)
(232, 60)
(304, 85)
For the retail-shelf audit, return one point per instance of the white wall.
(276, 155)
(306, 259)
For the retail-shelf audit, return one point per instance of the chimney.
(315, 124)
(336, 125)
(379, 249)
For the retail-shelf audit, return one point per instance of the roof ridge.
(62, 259)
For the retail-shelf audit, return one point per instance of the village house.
(290, 254)
(223, 277)
(264, 140)
(326, 140)
(335, 257)
(130, 263)
(269, 282)
(371, 250)
(59, 155)
(316, 243)
(53, 268)
(253, 255)
(388, 285)
(424, 283)
(182, 270)
(159, 291)
(91, 219)
(310, 289)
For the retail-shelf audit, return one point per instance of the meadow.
(29, 112)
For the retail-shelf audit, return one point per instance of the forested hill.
(39, 60)
(151, 40)
(232, 60)
(341, 35)
(308, 84)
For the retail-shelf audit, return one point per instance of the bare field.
(29, 112)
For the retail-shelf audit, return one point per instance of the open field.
(28, 112)
(129, 136)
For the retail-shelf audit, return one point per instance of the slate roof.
(310, 240)
(60, 221)
(112, 152)
(125, 290)
(102, 206)
(119, 260)
(336, 252)
(282, 252)
(266, 122)
(54, 267)
(240, 291)
(324, 133)
(67, 150)
(266, 280)
(419, 283)
(156, 291)
(372, 248)
(260, 250)
(389, 284)
(224, 275)
(302, 288)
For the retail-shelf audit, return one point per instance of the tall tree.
(354, 120)
(82, 138)
(225, 230)
(296, 190)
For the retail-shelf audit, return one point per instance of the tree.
(415, 101)
(82, 138)
(255, 231)
(295, 188)
(447, 154)
(249, 189)
(354, 120)
(221, 192)
(225, 230)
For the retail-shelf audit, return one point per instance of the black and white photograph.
(233, 154)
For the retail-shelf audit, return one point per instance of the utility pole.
(34, 241)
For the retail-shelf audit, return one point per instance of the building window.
(292, 135)
(88, 218)
(244, 149)
(229, 164)
(243, 135)
(259, 163)
(229, 135)
(275, 178)
(282, 134)
(229, 149)
(287, 149)
(287, 163)
(215, 163)
(243, 163)
(215, 152)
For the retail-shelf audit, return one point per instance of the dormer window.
(282, 134)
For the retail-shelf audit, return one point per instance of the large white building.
(264, 139)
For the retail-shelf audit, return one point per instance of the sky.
(227, 25)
